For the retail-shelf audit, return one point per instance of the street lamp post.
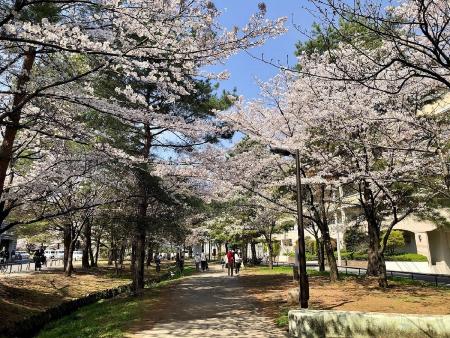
(336, 225)
(303, 277)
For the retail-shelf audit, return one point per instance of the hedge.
(407, 257)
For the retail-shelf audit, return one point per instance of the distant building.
(429, 239)
(8, 240)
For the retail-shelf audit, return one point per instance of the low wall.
(354, 263)
(321, 323)
(419, 267)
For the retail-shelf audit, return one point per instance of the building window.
(287, 242)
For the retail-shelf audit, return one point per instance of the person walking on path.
(237, 262)
(203, 261)
(224, 261)
(180, 261)
(230, 256)
(158, 262)
(197, 262)
(37, 260)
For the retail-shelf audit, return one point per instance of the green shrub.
(357, 256)
(282, 320)
(407, 257)
(310, 257)
(395, 241)
(355, 239)
(310, 246)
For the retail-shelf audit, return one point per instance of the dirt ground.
(350, 294)
(215, 304)
(207, 304)
(22, 295)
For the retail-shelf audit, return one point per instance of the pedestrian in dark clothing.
(180, 262)
(37, 260)
(158, 262)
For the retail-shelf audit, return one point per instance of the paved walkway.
(207, 305)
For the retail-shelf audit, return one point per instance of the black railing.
(436, 279)
(8, 266)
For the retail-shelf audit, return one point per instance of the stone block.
(322, 323)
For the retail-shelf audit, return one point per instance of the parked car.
(77, 255)
(22, 257)
(54, 254)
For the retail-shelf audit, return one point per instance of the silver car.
(22, 257)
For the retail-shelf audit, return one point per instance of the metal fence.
(23, 266)
(436, 279)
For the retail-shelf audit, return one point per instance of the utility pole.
(209, 249)
(303, 277)
(343, 219)
(336, 225)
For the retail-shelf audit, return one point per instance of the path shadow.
(208, 305)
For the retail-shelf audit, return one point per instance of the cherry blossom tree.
(351, 135)
(59, 60)
(412, 40)
(52, 52)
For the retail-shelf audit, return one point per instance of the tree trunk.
(253, 249)
(69, 268)
(87, 246)
(111, 250)
(67, 241)
(244, 252)
(91, 257)
(116, 256)
(334, 275)
(97, 250)
(10, 132)
(140, 233)
(219, 250)
(373, 253)
(320, 254)
(121, 254)
(149, 254)
(139, 259)
(110, 256)
(270, 247)
(382, 277)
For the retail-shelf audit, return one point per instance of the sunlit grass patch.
(108, 318)
(102, 319)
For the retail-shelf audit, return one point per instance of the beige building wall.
(432, 241)
(288, 241)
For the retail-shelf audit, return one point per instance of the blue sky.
(243, 68)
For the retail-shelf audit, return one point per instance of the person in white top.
(237, 262)
(203, 261)
(197, 261)
(224, 261)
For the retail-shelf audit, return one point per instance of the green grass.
(282, 320)
(106, 318)
(265, 270)
(102, 319)
(283, 270)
